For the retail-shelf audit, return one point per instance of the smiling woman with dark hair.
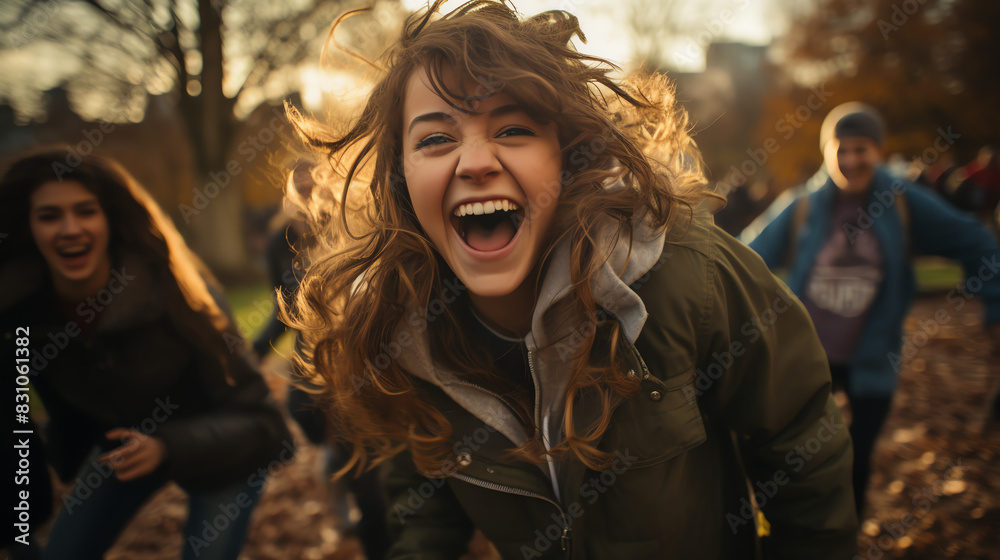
(141, 372)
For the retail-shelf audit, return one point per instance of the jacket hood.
(553, 325)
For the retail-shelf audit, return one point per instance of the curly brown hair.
(373, 261)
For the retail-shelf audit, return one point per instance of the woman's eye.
(87, 211)
(514, 131)
(431, 141)
(47, 217)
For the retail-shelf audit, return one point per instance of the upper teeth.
(74, 249)
(488, 207)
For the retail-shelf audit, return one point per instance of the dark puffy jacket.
(735, 393)
(122, 363)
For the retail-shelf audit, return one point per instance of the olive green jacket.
(735, 393)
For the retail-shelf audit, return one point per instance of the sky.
(604, 23)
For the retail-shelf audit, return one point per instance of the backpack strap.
(903, 209)
(799, 216)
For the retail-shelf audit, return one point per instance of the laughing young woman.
(132, 358)
(529, 316)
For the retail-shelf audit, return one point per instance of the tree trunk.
(215, 217)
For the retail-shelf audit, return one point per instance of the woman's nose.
(478, 162)
(70, 226)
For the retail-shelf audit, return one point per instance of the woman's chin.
(492, 290)
(81, 274)
(74, 273)
(497, 285)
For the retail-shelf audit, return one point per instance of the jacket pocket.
(659, 423)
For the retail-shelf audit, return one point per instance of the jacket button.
(655, 395)
(464, 459)
(631, 373)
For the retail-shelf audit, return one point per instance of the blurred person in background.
(743, 203)
(969, 185)
(288, 238)
(847, 247)
(142, 374)
(982, 179)
(287, 257)
(935, 176)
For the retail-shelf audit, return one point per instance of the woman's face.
(484, 184)
(71, 231)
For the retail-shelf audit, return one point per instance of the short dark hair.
(860, 124)
(852, 119)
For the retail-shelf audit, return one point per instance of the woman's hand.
(138, 455)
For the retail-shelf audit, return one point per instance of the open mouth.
(488, 226)
(74, 252)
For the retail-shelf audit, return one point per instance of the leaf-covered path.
(935, 489)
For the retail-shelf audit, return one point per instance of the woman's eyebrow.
(58, 207)
(431, 117)
(501, 111)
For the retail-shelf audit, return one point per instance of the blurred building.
(726, 103)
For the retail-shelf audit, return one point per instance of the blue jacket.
(936, 228)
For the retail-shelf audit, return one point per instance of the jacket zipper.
(534, 380)
(485, 390)
(566, 531)
(566, 538)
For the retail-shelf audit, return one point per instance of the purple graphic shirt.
(844, 281)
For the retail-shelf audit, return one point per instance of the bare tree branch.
(18, 20)
(136, 27)
(268, 58)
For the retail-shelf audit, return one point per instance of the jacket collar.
(882, 181)
(624, 264)
(129, 296)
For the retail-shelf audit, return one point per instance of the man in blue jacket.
(847, 247)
